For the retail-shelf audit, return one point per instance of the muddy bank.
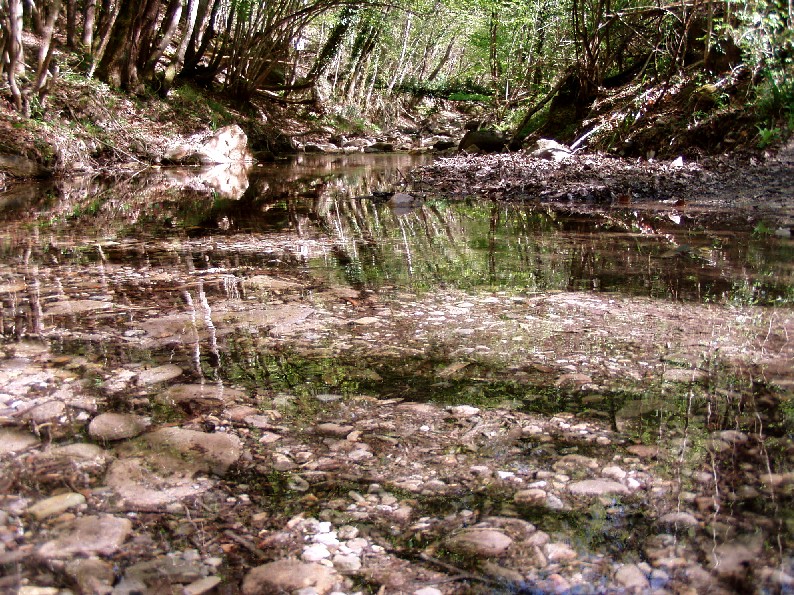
(765, 185)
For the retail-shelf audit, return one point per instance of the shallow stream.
(301, 285)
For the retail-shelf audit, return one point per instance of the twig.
(462, 574)
(247, 544)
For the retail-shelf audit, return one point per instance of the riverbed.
(224, 378)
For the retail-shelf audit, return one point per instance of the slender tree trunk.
(175, 67)
(194, 55)
(105, 11)
(168, 28)
(140, 46)
(34, 15)
(493, 30)
(71, 23)
(108, 22)
(399, 67)
(14, 57)
(45, 50)
(444, 59)
(334, 42)
(89, 16)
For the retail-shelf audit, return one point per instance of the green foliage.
(459, 96)
(768, 136)
(775, 99)
(454, 89)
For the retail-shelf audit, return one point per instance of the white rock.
(559, 552)
(464, 410)
(228, 145)
(614, 472)
(315, 553)
(678, 519)
(597, 487)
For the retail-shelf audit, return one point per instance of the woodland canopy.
(374, 59)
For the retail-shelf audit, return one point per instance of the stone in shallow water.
(464, 410)
(575, 462)
(347, 563)
(55, 505)
(335, 430)
(12, 441)
(733, 436)
(285, 576)
(559, 552)
(117, 426)
(79, 454)
(204, 394)
(531, 497)
(214, 452)
(644, 451)
(171, 569)
(88, 535)
(631, 577)
(46, 412)
(76, 307)
(735, 559)
(597, 487)
(203, 585)
(479, 542)
(159, 374)
(683, 375)
(153, 483)
(679, 520)
(315, 553)
(92, 575)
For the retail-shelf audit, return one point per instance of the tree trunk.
(46, 50)
(167, 30)
(193, 55)
(334, 42)
(141, 43)
(89, 16)
(14, 57)
(108, 21)
(175, 67)
(399, 67)
(443, 61)
(112, 67)
(34, 16)
(71, 23)
(516, 138)
(493, 30)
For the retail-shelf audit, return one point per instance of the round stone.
(285, 576)
(479, 542)
(117, 426)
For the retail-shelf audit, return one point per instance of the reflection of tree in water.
(528, 247)
(482, 244)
